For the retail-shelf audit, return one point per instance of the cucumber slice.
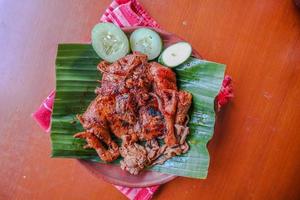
(147, 42)
(109, 42)
(175, 54)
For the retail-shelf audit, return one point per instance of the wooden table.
(256, 147)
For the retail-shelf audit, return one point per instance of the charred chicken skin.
(137, 101)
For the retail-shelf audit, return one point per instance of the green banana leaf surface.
(76, 80)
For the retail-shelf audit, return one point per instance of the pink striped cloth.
(125, 13)
(128, 13)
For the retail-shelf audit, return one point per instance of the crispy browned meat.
(128, 74)
(123, 117)
(151, 121)
(137, 101)
(166, 90)
(94, 122)
(183, 106)
(164, 77)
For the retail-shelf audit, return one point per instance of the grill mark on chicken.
(137, 101)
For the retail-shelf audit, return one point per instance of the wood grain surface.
(256, 147)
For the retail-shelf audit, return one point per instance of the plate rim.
(90, 166)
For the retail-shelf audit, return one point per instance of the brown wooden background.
(255, 153)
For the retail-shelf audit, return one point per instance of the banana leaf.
(76, 80)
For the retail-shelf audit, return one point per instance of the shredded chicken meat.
(139, 103)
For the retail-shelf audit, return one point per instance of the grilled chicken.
(137, 101)
(151, 121)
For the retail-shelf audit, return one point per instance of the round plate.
(114, 174)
